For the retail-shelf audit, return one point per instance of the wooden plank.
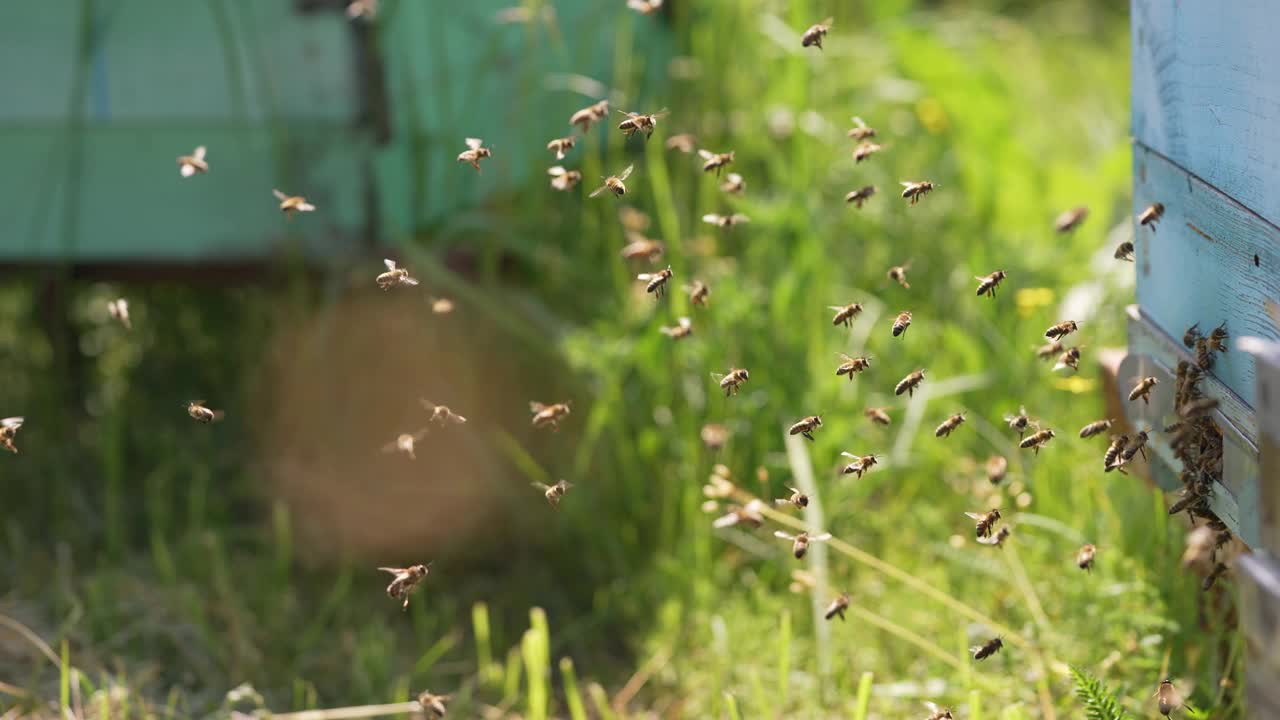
(1268, 363)
(1206, 94)
(1210, 260)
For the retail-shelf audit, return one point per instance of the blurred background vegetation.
(166, 564)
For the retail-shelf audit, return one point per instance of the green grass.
(156, 560)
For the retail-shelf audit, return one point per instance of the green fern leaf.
(1099, 702)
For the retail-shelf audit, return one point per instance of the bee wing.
(12, 422)
(725, 521)
(391, 264)
(740, 218)
(556, 171)
(409, 281)
(712, 218)
(392, 570)
(850, 455)
(279, 195)
(858, 121)
(820, 538)
(662, 113)
(305, 207)
(187, 170)
(199, 153)
(646, 276)
(457, 419)
(474, 143)
(626, 172)
(706, 154)
(782, 501)
(782, 535)
(685, 322)
(536, 407)
(905, 183)
(541, 486)
(717, 376)
(391, 447)
(828, 22)
(598, 190)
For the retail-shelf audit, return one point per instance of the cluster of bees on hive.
(1195, 439)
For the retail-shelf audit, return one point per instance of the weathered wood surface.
(1269, 441)
(1210, 260)
(1206, 93)
(1259, 581)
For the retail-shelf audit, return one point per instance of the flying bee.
(852, 365)
(986, 522)
(725, 221)
(1167, 698)
(860, 196)
(1136, 445)
(1199, 407)
(1048, 350)
(645, 7)
(394, 276)
(837, 607)
(937, 713)
(1061, 330)
(797, 498)
(982, 652)
(805, 426)
(715, 161)
(1069, 359)
(656, 283)
(405, 443)
(813, 36)
(800, 541)
(553, 493)
(614, 183)
(474, 153)
(441, 414)
(118, 309)
(860, 130)
(639, 246)
(997, 469)
(898, 274)
(1151, 216)
(998, 539)
(909, 383)
(560, 146)
(750, 514)
(684, 142)
(1199, 547)
(406, 580)
(987, 284)
(1084, 558)
(290, 204)
(949, 425)
(732, 381)
(441, 306)
(845, 313)
(638, 122)
(1218, 338)
(878, 415)
(1118, 442)
(8, 431)
(733, 184)
(1124, 251)
(202, 414)
(714, 435)
(1037, 440)
(860, 464)
(901, 323)
(1020, 422)
(1096, 428)
(865, 150)
(189, 165)
(433, 703)
(544, 415)
(1143, 389)
(364, 9)
(563, 180)
(698, 293)
(913, 191)
(683, 329)
(589, 115)
(1071, 219)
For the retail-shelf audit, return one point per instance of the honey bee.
(1096, 428)
(1189, 497)
(733, 184)
(1136, 445)
(805, 426)
(442, 415)
(1048, 350)
(1118, 443)
(982, 652)
(860, 130)
(406, 580)
(986, 522)
(1190, 337)
(405, 442)
(750, 514)
(937, 713)
(441, 306)
(845, 313)
(698, 293)
(290, 204)
(714, 435)
(1020, 422)
(560, 146)
(645, 7)
(909, 383)
(118, 309)
(796, 498)
(633, 220)
(1151, 216)
(878, 415)
(189, 165)
(1198, 408)
(1084, 558)
(800, 541)
(683, 329)
(725, 221)
(1037, 440)
(860, 464)
(901, 323)
(544, 415)
(394, 276)
(656, 283)
(1167, 698)
(865, 150)
(1069, 359)
(684, 142)
(8, 431)
(553, 493)
(898, 274)
(715, 161)
(365, 9)
(563, 180)
(641, 123)
(860, 196)
(474, 152)
(640, 247)
(949, 425)
(852, 365)
(837, 607)
(1124, 251)
(1061, 330)
(614, 183)
(1071, 219)
(813, 36)
(987, 284)
(913, 191)
(587, 116)
(998, 539)
(997, 469)
(1218, 338)
(1143, 389)
(732, 381)
(1199, 547)
(202, 414)
(433, 703)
